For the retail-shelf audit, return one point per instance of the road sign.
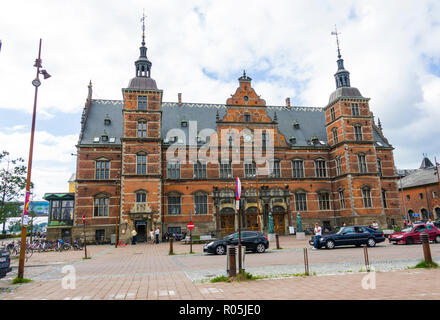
(84, 219)
(237, 188)
(190, 226)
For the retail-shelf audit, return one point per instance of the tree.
(12, 185)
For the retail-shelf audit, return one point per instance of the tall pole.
(24, 222)
(438, 184)
(258, 204)
(190, 235)
(403, 199)
(239, 237)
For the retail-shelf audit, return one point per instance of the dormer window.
(247, 118)
(296, 124)
(315, 140)
(107, 121)
(184, 123)
(104, 138)
(292, 140)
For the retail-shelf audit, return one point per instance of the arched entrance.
(227, 220)
(425, 214)
(278, 213)
(251, 219)
(437, 213)
(410, 215)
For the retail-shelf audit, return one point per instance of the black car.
(4, 263)
(252, 240)
(353, 235)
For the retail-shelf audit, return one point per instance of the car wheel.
(371, 242)
(409, 240)
(437, 239)
(330, 244)
(220, 250)
(261, 248)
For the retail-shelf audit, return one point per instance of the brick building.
(143, 162)
(420, 192)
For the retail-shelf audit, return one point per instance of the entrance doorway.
(437, 213)
(227, 223)
(141, 229)
(279, 225)
(251, 222)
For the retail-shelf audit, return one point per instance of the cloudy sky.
(200, 48)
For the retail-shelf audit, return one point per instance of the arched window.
(335, 135)
(101, 204)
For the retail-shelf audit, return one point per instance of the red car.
(412, 234)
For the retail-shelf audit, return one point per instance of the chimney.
(179, 98)
(288, 103)
(89, 96)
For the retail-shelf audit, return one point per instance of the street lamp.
(25, 217)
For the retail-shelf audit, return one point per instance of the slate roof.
(420, 177)
(345, 92)
(311, 121)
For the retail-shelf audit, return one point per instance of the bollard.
(306, 262)
(367, 260)
(232, 263)
(277, 239)
(426, 249)
(171, 245)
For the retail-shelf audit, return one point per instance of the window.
(320, 168)
(434, 194)
(200, 170)
(358, 132)
(342, 199)
(275, 168)
(101, 207)
(102, 171)
(201, 203)
(354, 109)
(379, 166)
(421, 196)
(297, 169)
(142, 129)
(184, 123)
(249, 169)
(384, 198)
(55, 211)
(104, 138)
(362, 163)
(300, 201)
(324, 201)
(338, 165)
(408, 197)
(225, 170)
(141, 164)
(247, 118)
(66, 209)
(366, 196)
(263, 140)
(173, 170)
(335, 135)
(174, 204)
(141, 197)
(142, 102)
(332, 113)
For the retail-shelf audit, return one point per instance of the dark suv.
(4, 263)
(252, 240)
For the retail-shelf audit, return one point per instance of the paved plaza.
(147, 271)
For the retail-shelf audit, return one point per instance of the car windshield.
(407, 230)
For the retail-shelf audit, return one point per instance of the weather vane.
(336, 33)
(143, 26)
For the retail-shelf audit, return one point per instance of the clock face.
(248, 138)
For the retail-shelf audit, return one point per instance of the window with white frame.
(320, 168)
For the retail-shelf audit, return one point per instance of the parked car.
(5, 263)
(352, 235)
(252, 240)
(412, 234)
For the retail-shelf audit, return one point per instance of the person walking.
(157, 235)
(375, 225)
(430, 222)
(318, 233)
(133, 235)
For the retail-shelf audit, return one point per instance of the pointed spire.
(143, 65)
(379, 124)
(342, 76)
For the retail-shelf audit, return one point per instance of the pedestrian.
(157, 235)
(133, 235)
(430, 222)
(318, 233)
(151, 236)
(410, 224)
(344, 225)
(375, 225)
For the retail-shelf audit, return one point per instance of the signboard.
(416, 215)
(39, 208)
(292, 230)
(237, 188)
(237, 204)
(190, 226)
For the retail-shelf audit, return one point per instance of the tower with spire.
(342, 76)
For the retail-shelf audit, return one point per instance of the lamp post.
(25, 217)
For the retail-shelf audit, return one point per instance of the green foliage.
(12, 186)
(397, 229)
(427, 265)
(18, 280)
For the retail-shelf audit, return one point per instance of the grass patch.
(243, 276)
(18, 280)
(87, 258)
(425, 265)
